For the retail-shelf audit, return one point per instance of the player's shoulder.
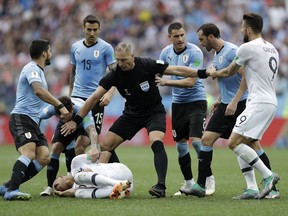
(78, 43)
(167, 48)
(103, 42)
(31, 66)
(193, 48)
(230, 45)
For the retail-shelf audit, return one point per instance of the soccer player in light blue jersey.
(230, 104)
(90, 58)
(83, 136)
(189, 104)
(31, 97)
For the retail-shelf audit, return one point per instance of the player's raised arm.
(185, 71)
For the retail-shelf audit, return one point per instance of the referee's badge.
(96, 53)
(145, 86)
(185, 58)
(28, 135)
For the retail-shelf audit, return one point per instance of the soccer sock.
(248, 173)
(94, 193)
(52, 169)
(263, 156)
(160, 161)
(69, 155)
(18, 172)
(113, 158)
(185, 166)
(204, 169)
(249, 156)
(197, 146)
(33, 169)
(91, 178)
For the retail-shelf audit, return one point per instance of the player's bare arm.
(46, 96)
(232, 69)
(232, 106)
(183, 83)
(71, 126)
(72, 79)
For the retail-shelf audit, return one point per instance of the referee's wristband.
(78, 119)
(60, 106)
(202, 73)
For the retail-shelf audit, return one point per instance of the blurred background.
(144, 24)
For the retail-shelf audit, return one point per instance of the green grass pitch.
(229, 182)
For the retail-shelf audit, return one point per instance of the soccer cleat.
(274, 194)
(184, 187)
(196, 190)
(47, 192)
(119, 190)
(158, 190)
(16, 195)
(248, 194)
(268, 184)
(210, 185)
(3, 190)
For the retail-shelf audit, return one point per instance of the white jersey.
(117, 171)
(260, 60)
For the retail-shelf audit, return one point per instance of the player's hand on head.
(68, 128)
(64, 113)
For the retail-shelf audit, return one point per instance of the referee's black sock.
(204, 164)
(160, 160)
(69, 155)
(113, 158)
(185, 166)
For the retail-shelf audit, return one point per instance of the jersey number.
(273, 65)
(86, 64)
(98, 117)
(242, 119)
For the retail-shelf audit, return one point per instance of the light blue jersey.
(192, 57)
(27, 103)
(91, 63)
(49, 111)
(228, 86)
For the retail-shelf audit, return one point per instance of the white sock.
(247, 154)
(189, 182)
(95, 193)
(91, 178)
(249, 175)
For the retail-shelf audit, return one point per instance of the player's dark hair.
(37, 47)
(255, 21)
(91, 19)
(174, 26)
(66, 101)
(210, 28)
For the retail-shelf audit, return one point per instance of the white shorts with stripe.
(255, 119)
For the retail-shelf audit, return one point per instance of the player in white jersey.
(260, 60)
(95, 180)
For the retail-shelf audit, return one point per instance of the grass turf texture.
(229, 182)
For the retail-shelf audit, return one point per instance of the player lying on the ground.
(95, 180)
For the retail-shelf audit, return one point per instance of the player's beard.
(47, 61)
(245, 38)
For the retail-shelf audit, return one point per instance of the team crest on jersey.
(145, 86)
(96, 53)
(34, 74)
(221, 59)
(28, 135)
(185, 58)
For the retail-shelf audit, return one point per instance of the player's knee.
(157, 146)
